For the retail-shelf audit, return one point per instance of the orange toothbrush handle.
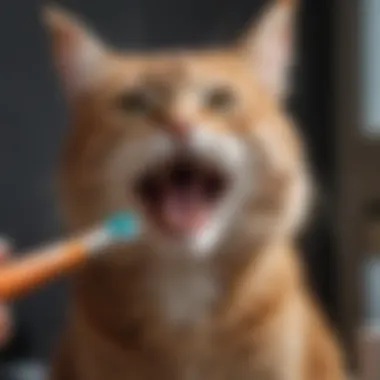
(22, 275)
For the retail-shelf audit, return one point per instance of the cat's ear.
(269, 45)
(77, 52)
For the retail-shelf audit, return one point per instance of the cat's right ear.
(77, 53)
(269, 45)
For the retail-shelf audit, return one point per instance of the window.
(370, 66)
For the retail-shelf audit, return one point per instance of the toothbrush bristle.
(123, 225)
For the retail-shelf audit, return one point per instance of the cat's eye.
(219, 99)
(135, 102)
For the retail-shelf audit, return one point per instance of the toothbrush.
(20, 276)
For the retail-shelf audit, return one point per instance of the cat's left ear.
(77, 52)
(269, 45)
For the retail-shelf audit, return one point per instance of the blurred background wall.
(33, 121)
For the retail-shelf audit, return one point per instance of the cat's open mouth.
(181, 193)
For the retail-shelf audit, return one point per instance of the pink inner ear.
(77, 52)
(273, 48)
(64, 60)
(64, 51)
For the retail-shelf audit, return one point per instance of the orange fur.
(137, 313)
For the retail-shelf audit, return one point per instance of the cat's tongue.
(184, 210)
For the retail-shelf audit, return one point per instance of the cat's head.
(197, 141)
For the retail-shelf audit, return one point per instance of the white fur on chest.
(185, 292)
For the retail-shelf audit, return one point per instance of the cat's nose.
(179, 129)
(175, 122)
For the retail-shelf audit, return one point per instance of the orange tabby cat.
(199, 143)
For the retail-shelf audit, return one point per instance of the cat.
(200, 144)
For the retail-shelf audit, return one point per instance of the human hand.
(5, 315)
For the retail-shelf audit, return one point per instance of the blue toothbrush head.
(123, 226)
